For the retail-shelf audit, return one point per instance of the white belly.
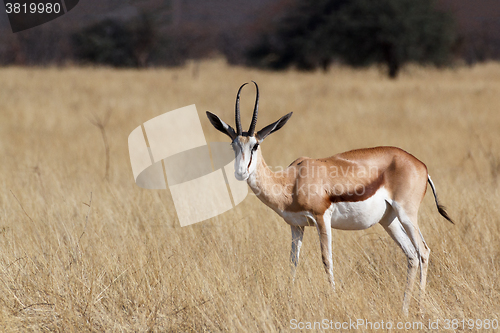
(346, 215)
(361, 214)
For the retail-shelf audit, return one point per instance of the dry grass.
(125, 264)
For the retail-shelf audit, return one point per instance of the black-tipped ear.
(263, 133)
(221, 126)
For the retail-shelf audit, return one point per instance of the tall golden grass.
(122, 262)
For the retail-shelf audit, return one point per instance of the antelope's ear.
(263, 133)
(221, 126)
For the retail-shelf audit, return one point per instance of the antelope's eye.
(255, 147)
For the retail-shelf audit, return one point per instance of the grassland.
(125, 264)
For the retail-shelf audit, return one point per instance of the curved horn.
(251, 130)
(237, 118)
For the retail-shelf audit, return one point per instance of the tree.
(359, 32)
(108, 42)
(299, 37)
(130, 36)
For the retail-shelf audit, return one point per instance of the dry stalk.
(101, 125)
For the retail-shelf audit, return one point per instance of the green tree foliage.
(313, 33)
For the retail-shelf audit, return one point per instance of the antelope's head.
(246, 144)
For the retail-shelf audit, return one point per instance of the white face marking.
(245, 161)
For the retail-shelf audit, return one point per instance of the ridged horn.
(237, 118)
(251, 130)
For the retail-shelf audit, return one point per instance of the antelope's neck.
(270, 187)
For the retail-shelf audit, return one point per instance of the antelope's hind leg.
(424, 265)
(408, 216)
(398, 233)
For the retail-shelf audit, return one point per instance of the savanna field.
(81, 252)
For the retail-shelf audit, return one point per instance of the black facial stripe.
(248, 167)
(254, 148)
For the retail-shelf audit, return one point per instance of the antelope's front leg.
(325, 238)
(297, 235)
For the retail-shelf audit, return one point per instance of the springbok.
(353, 190)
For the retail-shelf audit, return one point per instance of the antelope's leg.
(323, 224)
(424, 265)
(297, 235)
(398, 233)
(408, 216)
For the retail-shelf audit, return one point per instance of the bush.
(359, 32)
(115, 43)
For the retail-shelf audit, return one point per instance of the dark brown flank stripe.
(360, 193)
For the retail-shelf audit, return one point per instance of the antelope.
(353, 190)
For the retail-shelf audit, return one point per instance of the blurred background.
(83, 249)
(274, 34)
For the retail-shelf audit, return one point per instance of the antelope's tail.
(441, 208)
